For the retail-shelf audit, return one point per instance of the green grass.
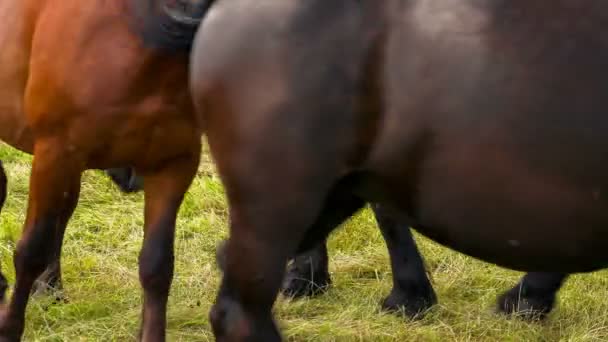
(101, 281)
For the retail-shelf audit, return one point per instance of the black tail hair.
(169, 24)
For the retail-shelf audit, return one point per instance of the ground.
(104, 297)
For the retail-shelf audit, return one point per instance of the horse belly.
(499, 208)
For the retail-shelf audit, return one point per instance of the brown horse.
(82, 90)
(483, 121)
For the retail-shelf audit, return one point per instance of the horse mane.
(169, 24)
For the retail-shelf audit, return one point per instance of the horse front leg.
(164, 191)
(308, 273)
(54, 191)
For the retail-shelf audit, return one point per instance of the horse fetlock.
(528, 306)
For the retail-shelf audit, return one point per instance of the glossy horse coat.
(81, 90)
(482, 121)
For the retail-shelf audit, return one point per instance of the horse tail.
(170, 24)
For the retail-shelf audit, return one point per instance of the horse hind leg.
(412, 293)
(54, 191)
(264, 234)
(50, 281)
(164, 191)
(308, 273)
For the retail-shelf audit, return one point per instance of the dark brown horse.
(82, 90)
(482, 121)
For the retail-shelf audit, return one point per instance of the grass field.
(104, 297)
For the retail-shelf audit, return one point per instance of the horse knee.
(156, 268)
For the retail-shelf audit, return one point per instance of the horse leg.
(412, 291)
(264, 234)
(534, 296)
(308, 273)
(50, 279)
(164, 191)
(54, 188)
(3, 182)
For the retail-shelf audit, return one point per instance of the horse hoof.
(410, 305)
(302, 284)
(533, 308)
